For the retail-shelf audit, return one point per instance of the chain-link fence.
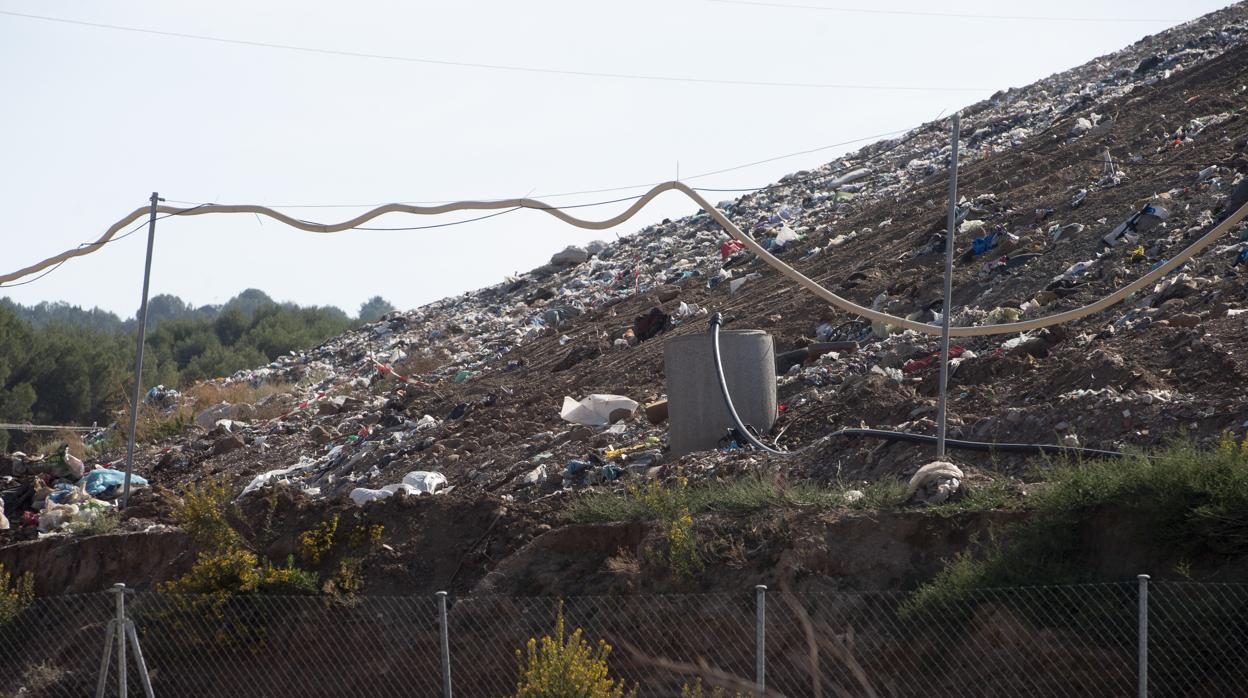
(1039, 641)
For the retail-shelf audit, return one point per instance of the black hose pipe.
(717, 321)
(982, 446)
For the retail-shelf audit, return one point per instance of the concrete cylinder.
(697, 416)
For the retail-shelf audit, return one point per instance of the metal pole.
(760, 638)
(107, 657)
(138, 352)
(1143, 636)
(446, 646)
(120, 620)
(144, 678)
(948, 309)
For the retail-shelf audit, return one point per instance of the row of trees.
(61, 364)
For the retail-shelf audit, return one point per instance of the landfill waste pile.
(55, 492)
(551, 382)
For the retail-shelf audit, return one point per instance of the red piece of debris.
(916, 365)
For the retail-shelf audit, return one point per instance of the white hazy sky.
(94, 120)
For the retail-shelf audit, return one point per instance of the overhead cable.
(627, 187)
(496, 66)
(749, 242)
(94, 246)
(947, 15)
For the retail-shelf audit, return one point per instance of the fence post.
(760, 638)
(120, 620)
(1143, 636)
(446, 645)
(105, 658)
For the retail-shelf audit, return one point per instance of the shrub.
(315, 543)
(566, 666)
(694, 690)
(225, 566)
(155, 424)
(265, 398)
(56, 442)
(1193, 503)
(366, 534)
(39, 678)
(204, 512)
(224, 573)
(347, 579)
(670, 506)
(16, 595)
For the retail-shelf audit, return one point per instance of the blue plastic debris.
(101, 480)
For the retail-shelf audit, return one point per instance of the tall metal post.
(122, 687)
(106, 657)
(948, 309)
(760, 638)
(138, 352)
(1143, 636)
(446, 645)
(121, 629)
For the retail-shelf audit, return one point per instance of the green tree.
(231, 325)
(374, 308)
(250, 301)
(164, 306)
(60, 364)
(17, 395)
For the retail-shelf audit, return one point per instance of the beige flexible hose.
(801, 279)
(977, 330)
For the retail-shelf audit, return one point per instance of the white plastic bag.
(424, 481)
(786, 235)
(414, 484)
(597, 410)
(281, 474)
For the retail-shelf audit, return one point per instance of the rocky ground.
(471, 386)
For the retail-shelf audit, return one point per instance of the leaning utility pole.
(138, 352)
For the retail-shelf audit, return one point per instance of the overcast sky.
(95, 119)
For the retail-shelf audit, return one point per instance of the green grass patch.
(653, 501)
(754, 493)
(980, 496)
(1190, 503)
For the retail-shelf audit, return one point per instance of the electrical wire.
(802, 152)
(647, 185)
(494, 66)
(31, 281)
(444, 225)
(749, 242)
(46, 427)
(493, 215)
(639, 202)
(97, 245)
(820, 175)
(945, 15)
